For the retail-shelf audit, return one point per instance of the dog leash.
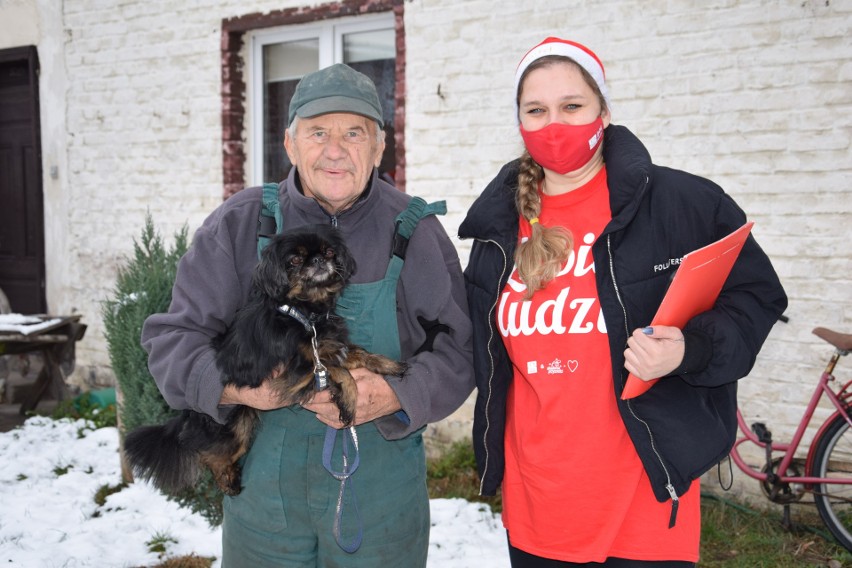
(345, 478)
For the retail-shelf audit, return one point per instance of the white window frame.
(330, 35)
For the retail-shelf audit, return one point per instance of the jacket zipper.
(669, 487)
(491, 361)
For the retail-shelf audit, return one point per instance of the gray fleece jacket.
(214, 277)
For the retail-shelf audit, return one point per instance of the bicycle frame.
(840, 400)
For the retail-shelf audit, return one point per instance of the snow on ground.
(51, 470)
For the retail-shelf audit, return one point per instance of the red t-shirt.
(574, 488)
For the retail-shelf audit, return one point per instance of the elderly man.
(411, 306)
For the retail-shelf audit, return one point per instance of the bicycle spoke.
(833, 459)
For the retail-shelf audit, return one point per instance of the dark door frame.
(36, 235)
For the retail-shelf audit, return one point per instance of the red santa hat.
(579, 53)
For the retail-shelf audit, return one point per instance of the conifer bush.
(144, 287)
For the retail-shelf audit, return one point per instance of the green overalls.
(285, 514)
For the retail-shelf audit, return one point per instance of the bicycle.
(828, 465)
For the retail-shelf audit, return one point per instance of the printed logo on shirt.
(532, 367)
(555, 367)
(515, 316)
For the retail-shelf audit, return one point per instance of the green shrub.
(453, 474)
(144, 287)
(83, 407)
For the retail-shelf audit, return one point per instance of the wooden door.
(22, 272)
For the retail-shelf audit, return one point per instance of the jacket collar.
(311, 208)
(628, 170)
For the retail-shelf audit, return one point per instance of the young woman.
(575, 244)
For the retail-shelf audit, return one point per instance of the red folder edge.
(693, 290)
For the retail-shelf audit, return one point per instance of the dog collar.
(288, 310)
(320, 371)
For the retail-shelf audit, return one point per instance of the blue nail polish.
(648, 330)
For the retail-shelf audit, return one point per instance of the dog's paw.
(345, 396)
(229, 481)
(397, 368)
(344, 393)
(224, 468)
(385, 366)
(376, 363)
(347, 417)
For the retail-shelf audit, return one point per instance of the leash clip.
(320, 371)
(321, 378)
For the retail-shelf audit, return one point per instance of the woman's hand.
(654, 352)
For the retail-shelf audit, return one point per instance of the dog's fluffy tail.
(156, 453)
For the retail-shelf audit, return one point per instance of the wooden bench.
(55, 342)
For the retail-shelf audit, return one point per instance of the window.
(280, 57)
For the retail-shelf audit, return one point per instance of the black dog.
(287, 324)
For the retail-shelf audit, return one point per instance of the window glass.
(368, 46)
(283, 65)
(373, 53)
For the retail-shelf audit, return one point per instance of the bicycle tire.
(834, 502)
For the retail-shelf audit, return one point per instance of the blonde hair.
(540, 258)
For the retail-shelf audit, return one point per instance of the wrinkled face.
(558, 93)
(334, 155)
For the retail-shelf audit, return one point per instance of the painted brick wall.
(144, 135)
(754, 94)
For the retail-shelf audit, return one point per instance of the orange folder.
(694, 290)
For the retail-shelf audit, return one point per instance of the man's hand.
(261, 398)
(654, 352)
(375, 399)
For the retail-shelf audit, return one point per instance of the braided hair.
(540, 258)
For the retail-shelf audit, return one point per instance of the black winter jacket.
(687, 422)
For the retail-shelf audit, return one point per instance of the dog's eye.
(296, 260)
(329, 253)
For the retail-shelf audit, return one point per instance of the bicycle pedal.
(762, 432)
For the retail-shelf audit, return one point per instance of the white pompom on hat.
(579, 53)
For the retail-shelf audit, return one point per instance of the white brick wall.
(756, 95)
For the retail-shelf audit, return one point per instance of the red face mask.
(564, 148)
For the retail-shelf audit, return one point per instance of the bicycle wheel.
(833, 458)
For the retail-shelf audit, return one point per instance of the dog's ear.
(270, 275)
(346, 263)
(343, 258)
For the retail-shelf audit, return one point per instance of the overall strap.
(407, 221)
(270, 221)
